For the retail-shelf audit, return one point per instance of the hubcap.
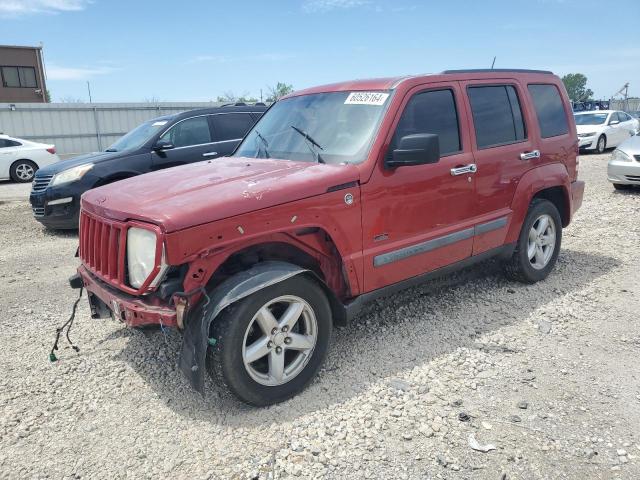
(279, 340)
(24, 171)
(542, 241)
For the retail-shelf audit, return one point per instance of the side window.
(547, 102)
(5, 143)
(231, 126)
(192, 131)
(431, 112)
(497, 116)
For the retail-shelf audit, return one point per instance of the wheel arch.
(550, 182)
(231, 290)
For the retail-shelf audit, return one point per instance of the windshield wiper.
(265, 143)
(311, 141)
(111, 150)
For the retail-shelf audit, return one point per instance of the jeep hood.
(199, 193)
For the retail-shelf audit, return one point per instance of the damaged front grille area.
(102, 247)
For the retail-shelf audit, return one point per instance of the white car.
(601, 129)
(19, 159)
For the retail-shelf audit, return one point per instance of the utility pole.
(260, 95)
(89, 89)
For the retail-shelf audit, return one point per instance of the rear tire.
(260, 361)
(541, 236)
(23, 171)
(602, 144)
(622, 186)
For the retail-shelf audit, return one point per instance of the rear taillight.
(52, 150)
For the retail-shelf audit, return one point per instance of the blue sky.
(196, 50)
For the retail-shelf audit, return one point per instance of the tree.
(576, 85)
(230, 97)
(279, 91)
(71, 99)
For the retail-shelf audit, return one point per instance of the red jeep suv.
(338, 195)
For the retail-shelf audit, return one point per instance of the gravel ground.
(548, 374)
(11, 191)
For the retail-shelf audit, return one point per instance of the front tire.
(270, 345)
(23, 171)
(538, 245)
(602, 144)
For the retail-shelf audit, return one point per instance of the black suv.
(163, 142)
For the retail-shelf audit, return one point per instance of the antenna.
(493, 63)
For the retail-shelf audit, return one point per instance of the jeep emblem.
(348, 199)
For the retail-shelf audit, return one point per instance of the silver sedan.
(623, 169)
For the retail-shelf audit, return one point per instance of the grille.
(633, 178)
(38, 211)
(102, 247)
(41, 183)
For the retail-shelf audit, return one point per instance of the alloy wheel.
(542, 241)
(279, 340)
(24, 171)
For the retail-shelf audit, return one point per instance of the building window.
(19, 77)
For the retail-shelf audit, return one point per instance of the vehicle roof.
(389, 83)
(583, 112)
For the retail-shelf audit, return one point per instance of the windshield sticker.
(366, 98)
(159, 124)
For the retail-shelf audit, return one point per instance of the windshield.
(591, 118)
(336, 127)
(139, 135)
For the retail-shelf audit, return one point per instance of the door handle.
(471, 168)
(529, 155)
(209, 154)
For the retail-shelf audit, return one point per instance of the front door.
(419, 218)
(192, 141)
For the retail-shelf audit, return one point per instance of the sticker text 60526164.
(366, 98)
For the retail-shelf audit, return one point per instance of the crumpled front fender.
(196, 333)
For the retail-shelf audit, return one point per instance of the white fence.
(76, 128)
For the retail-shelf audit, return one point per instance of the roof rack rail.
(499, 70)
(234, 104)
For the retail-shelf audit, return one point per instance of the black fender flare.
(196, 333)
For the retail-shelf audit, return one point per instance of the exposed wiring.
(68, 324)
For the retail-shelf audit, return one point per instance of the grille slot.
(633, 178)
(102, 247)
(41, 182)
(38, 211)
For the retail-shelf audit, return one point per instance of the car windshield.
(139, 135)
(591, 118)
(336, 127)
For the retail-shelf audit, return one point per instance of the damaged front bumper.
(106, 301)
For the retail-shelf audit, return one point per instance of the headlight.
(72, 175)
(582, 135)
(141, 255)
(620, 156)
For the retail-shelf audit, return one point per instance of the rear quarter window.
(547, 102)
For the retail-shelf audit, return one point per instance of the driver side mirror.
(162, 145)
(614, 122)
(416, 149)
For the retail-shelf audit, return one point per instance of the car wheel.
(602, 144)
(271, 344)
(538, 246)
(622, 186)
(23, 171)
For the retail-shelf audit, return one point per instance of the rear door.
(228, 129)
(503, 151)
(191, 138)
(8, 154)
(627, 122)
